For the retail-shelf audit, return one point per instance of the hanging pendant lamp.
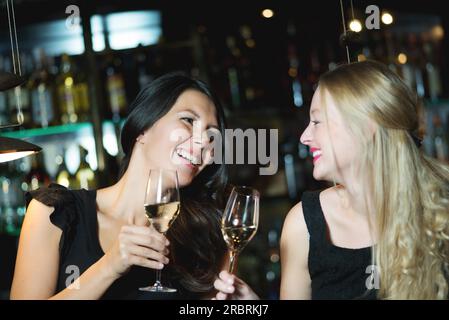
(12, 149)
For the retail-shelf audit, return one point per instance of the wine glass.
(162, 206)
(240, 220)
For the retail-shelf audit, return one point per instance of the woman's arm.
(37, 263)
(295, 277)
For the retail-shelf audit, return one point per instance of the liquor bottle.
(441, 145)
(233, 72)
(392, 52)
(315, 68)
(249, 87)
(19, 99)
(5, 198)
(85, 176)
(433, 75)
(4, 107)
(417, 62)
(68, 100)
(37, 177)
(273, 270)
(42, 92)
(17, 175)
(115, 89)
(293, 68)
(144, 76)
(82, 93)
(63, 175)
(331, 60)
(405, 60)
(378, 46)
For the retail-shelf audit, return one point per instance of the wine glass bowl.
(240, 220)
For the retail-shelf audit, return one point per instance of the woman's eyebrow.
(192, 112)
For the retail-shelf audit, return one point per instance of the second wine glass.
(240, 220)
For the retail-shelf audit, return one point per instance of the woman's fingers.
(221, 296)
(148, 242)
(147, 253)
(143, 262)
(224, 286)
(146, 231)
(229, 285)
(226, 277)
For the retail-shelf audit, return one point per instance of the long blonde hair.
(408, 191)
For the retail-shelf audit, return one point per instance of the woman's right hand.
(137, 245)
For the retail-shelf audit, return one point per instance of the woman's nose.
(306, 136)
(200, 139)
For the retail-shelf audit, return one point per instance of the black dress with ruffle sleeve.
(75, 213)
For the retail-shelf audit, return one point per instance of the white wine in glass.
(162, 206)
(240, 220)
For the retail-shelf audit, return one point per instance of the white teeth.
(184, 154)
(316, 153)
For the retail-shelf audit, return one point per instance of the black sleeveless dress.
(76, 215)
(336, 273)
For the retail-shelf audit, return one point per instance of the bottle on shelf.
(392, 52)
(250, 89)
(115, 89)
(37, 176)
(417, 62)
(232, 70)
(293, 68)
(432, 70)
(4, 107)
(71, 93)
(315, 69)
(85, 176)
(19, 97)
(42, 89)
(17, 175)
(82, 94)
(12, 200)
(144, 75)
(405, 60)
(441, 144)
(63, 175)
(273, 270)
(331, 60)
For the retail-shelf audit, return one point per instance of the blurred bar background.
(263, 58)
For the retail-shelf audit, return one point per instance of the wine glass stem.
(158, 282)
(232, 256)
(158, 278)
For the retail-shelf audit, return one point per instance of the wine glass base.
(157, 289)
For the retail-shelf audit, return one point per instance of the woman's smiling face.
(179, 139)
(333, 147)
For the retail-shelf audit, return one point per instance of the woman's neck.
(356, 200)
(354, 196)
(125, 200)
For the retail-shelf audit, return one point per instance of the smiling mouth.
(192, 160)
(316, 154)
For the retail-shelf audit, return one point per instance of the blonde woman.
(382, 230)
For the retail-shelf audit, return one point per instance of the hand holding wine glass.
(240, 220)
(162, 206)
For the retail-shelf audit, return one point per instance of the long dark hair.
(197, 246)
